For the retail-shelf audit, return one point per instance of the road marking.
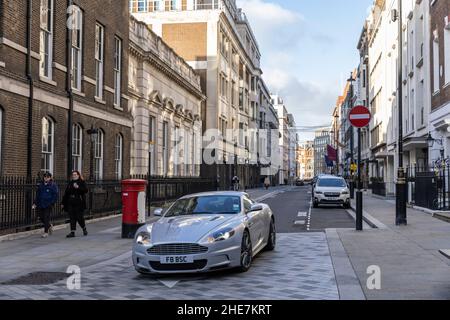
(299, 222)
(302, 214)
(111, 230)
(308, 227)
(169, 283)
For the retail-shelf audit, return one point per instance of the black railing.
(17, 196)
(429, 186)
(161, 190)
(104, 198)
(379, 188)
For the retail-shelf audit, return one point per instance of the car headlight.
(143, 238)
(319, 192)
(345, 192)
(221, 235)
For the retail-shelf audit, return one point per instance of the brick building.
(34, 82)
(440, 76)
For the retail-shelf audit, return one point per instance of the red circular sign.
(359, 117)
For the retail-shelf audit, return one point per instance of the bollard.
(359, 212)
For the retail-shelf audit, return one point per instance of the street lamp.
(400, 194)
(93, 133)
(352, 143)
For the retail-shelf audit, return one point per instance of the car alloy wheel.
(246, 252)
(272, 237)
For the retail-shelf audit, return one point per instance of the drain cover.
(38, 278)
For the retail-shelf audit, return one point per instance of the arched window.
(47, 153)
(77, 147)
(98, 155)
(118, 156)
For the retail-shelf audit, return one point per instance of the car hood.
(186, 228)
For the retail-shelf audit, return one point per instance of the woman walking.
(46, 197)
(74, 203)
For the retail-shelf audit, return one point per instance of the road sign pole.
(359, 117)
(359, 198)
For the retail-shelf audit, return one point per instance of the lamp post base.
(400, 200)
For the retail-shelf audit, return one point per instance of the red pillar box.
(133, 206)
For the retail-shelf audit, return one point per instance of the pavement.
(327, 262)
(411, 264)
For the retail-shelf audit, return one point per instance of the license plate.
(176, 259)
(334, 199)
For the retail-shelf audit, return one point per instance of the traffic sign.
(359, 117)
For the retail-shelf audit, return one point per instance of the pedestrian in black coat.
(46, 197)
(74, 203)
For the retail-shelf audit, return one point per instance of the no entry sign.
(359, 117)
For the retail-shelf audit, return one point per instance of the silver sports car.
(205, 232)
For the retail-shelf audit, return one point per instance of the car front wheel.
(246, 252)
(272, 237)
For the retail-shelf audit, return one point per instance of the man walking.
(46, 197)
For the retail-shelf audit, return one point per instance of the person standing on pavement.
(74, 203)
(46, 197)
(267, 182)
(235, 183)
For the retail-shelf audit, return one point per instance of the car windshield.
(331, 183)
(205, 205)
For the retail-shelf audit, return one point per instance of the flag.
(328, 161)
(332, 153)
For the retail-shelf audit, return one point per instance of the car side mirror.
(158, 212)
(256, 207)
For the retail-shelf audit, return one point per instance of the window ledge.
(420, 63)
(48, 81)
(99, 100)
(436, 93)
(78, 93)
(118, 108)
(2, 64)
(446, 85)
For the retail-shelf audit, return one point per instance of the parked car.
(205, 232)
(331, 190)
(299, 183)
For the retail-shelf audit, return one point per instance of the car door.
(256, 222)
(251, 221)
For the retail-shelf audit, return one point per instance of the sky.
(308, 50)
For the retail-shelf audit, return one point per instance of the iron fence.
(162, 189)
(17, 195)
(428, 186)
(379, 188)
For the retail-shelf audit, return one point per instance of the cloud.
(281, 34)
(273, 24)
(310, 103)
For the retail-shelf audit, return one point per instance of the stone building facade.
(215, 38)
(35, 84)
(165, 101)
(440, 77)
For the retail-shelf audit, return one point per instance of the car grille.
(176, 249)
(197, 265)
(332, 194)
